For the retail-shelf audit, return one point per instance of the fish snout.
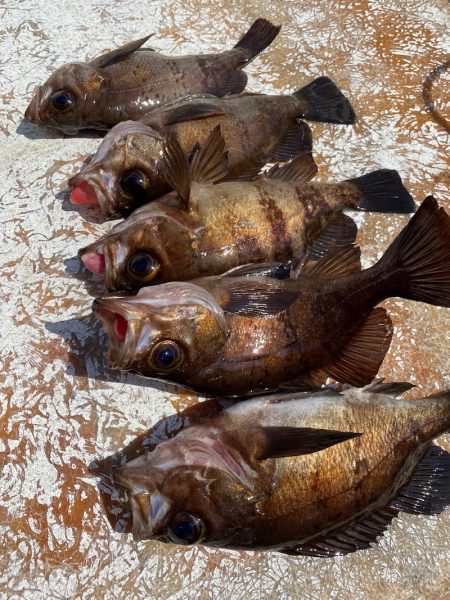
(32, 112)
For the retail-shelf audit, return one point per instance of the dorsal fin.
(210, 163)
(342, 261)
(279, 442)
(393, 388)
(301, 169)
(176, 167)
(118, 54)
(359, 361)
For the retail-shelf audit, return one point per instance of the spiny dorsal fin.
(294, 441)
(394, 388)
(357, 536)
(428, 490)
(340, 231)
(210, 163)
(176, 167)
(118, 54)
(341, 262)
(359, 361)
(300, 170)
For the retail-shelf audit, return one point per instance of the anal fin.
(359, 361)
(298, 139)
(357, 536)
(428, 490)
(342, 261)
(340, 231)
(301, 169)
(235, 84)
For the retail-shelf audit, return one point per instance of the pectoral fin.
(294, 441)
(256, 297)
(118, 54)
(188, 111)
(301, 169)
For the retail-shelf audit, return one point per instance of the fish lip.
(32, 111)
(95, 180)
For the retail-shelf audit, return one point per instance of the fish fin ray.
(280, 442)
(210, 162)
(419, 257)
(276, 270)
(340, 231)
(357, 536)
(325, 102)
(188, 111)
(301, 169)
(343, 261)
(428, 490)
(313, 380)
(360, 359)
(393, 388)
(176, 167)
(260, 35)
(297, 140)
(257, 297)
(383, 191)
(118, 54)
(235, 84)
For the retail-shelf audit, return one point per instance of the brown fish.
(130, 81)
(127, 170)
(238, 335)
(206, 229)
(316, 474)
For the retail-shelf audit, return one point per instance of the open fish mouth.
(92, 189)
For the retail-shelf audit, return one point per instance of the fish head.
(152, 246)
(169, 331)
(124, 173)
(191, 489)
(68, 99)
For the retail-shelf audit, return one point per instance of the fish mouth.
(122, 331)
(32, 112)
(94, 189)
(107, 260)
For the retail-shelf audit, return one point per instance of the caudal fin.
(258, 37)
(418, 260)
(324, 101)
(383, 191)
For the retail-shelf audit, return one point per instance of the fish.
(206, 228)
(130, 81)
(237, 336)
(315, 473)
(127, 169)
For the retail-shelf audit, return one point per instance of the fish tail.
(260, 35)
(322, 100)
(418, 260)
(383, 191)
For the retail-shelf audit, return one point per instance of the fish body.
(256, 128)
(206, 229)
(237, 335)
(318, 474)
(130, 81)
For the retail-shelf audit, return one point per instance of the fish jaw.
(32, 111)
(107, 259)
(93, 187)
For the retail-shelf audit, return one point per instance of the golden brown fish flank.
(256, 128)
(130, 81)
(317, 474)
(209, 229)
(301, 330)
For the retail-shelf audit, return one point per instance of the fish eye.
(134, 185)
(186, 528)
(62, 100)
(142, 267)
(166, 356)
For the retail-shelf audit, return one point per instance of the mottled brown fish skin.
(253, 126)
(229, 224)
(133, 82)
(289, 503)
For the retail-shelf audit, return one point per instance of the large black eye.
(186, 528)
(62, 101)
(166, 355)
(142, 267)
(134, 185)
